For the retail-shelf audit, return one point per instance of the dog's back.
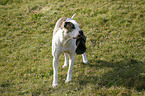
(59, 24)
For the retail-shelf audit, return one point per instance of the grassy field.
(115, 31)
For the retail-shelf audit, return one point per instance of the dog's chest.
(68, 46)
(63, 44)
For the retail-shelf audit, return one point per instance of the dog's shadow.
(128, 73)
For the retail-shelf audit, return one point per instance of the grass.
(115, 31)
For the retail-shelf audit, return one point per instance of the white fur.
(63, 42)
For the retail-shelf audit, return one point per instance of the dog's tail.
(73, 16)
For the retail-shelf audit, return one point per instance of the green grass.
(115, 31)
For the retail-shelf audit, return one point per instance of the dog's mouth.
(81, 34)
(77, 36)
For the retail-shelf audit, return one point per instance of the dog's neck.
(65, 40)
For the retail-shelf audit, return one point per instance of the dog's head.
(72, 29)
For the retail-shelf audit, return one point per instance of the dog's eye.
(73, 27)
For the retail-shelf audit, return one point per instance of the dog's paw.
(86, 62)
(54, 85)
(64, 66)
(67, 81)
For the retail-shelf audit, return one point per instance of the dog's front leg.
(55, 71)
(71, 64)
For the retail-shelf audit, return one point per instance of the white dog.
(65, 33)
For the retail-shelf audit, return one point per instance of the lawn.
(115, 31)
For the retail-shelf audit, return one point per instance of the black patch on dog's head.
(69, 26)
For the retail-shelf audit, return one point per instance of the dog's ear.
(69, 26)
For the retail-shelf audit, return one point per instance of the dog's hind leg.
(85, 60)
(66, 60)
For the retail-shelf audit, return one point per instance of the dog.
(65, 36)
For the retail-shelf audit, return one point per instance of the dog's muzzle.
(81, 33)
